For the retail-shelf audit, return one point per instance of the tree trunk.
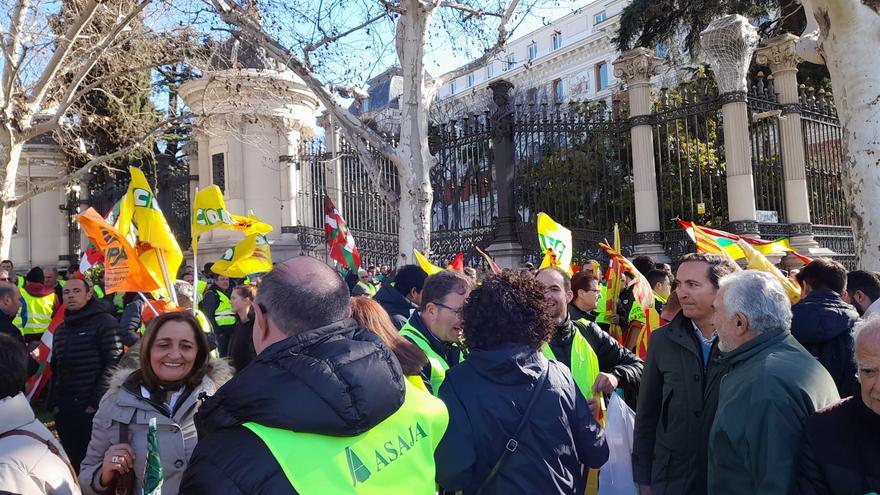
(849, 44)
(415, 183)
(10, 153)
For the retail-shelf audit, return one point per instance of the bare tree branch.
(311, 47)
(374, 169)
(390, 7)
(488, 54)
(470, 10)
(233, 14)
(88, 166)
(10, 53)
(65, 45)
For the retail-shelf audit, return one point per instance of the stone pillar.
(333, 165)
(780, 55)
(505, 247)
(729, 43)
(635, 68)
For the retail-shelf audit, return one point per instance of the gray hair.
(185, 293)
(759, 297)
(866, 326)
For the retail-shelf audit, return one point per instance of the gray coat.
(177, 434)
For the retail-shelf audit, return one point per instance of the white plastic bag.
(615, 477)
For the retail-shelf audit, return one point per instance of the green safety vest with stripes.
(368, 288)
(394, 457)
(437, 362)
(39, 313)
(224, 316)
(584, 363)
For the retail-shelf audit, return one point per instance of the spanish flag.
(757, 261)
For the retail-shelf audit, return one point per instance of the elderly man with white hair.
(840, 448)
(773, 385)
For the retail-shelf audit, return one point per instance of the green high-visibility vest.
(201, 286)
(20, 281)
(224, 316)
(39, 313)
(206, 329)
(369, 289)
(394, 457)
(584, 363)
(119, 301)
(437, 362)
(98, 291)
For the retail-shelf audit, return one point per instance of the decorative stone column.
(505, 248)
(635, 68)
(729, 43)
(780, 55)
(332, 166)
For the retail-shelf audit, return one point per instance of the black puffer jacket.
(486, 396)
(398, 307)
(613, 358)
(85, 347)
(338, 380)
(823, 324)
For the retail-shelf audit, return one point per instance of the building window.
(470, 80)
(599, 18)
(661, 51)
(533, 51)
(218, 171)
(558, 89)
(511, 62)
(557, 40)
(490, 71)
(452, 88)
(601, 76)
(365, 106)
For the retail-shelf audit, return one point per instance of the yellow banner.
(757, 261)
(427, 266)
(252, 255)
(555, 237)
(209, 212)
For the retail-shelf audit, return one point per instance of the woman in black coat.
(241, 343)
(505, 325)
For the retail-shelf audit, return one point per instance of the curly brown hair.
(507, 309)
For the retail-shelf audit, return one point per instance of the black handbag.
(122, 484)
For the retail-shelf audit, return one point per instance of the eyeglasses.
(457, 311)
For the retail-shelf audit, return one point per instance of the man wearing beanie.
(38, 305)
(402, 296)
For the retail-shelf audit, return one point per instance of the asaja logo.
(145, 199)
(390, 451)
(359, 473)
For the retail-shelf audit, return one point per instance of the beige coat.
(177, 435)
(27, 467)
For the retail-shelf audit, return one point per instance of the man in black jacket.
(316, 372)
(218, 310)
(401, 297)
(823, 323)
(86, 345)
(618, 366)
(10, 303)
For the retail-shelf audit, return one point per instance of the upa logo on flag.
(145, 199)
(212, 216)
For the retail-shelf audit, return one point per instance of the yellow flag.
(426, 265)
(209, 212)
(249, 256)
(555, 237)
(155, 239)
(757, 261)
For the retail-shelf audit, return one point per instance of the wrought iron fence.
(823, 153)
(766, 149)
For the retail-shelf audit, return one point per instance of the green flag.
(153, 474)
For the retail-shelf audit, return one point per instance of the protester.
(54, 281)
(38, 305)
(402, 296)
(773, 385)
(364, 286)
(85, 346)
(506, 380)
(436, 326)
(863, 292)
(32, 461)
(10, 303)
(241, 344)
(573, 342)
(823, 323)
(370, 315)
(679, 388)
(840, 448)
(290, 421)
(670, 309)
(661, 286)
(586, 291)
(174, 370)
(218, 309)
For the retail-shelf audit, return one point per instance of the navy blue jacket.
(486, 396)
(398, 307)
(823, 324)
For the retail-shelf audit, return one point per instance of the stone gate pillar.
(636, 67)
(779, 54)
(729, 43)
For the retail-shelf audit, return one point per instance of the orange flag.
(123, 270)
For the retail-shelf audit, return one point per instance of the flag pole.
(195, 248)
(168, 284)
(147, 302)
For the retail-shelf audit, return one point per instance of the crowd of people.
(386, 381)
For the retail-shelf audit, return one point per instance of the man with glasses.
(436, 326)
(575, 341)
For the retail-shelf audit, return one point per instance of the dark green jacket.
(677, 400)
(773, 385)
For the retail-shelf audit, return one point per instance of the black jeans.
(224, 335)
(75, 431)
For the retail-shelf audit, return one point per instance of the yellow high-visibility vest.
(584, 362)
(437, 362)
(224, 316)
(394, 457)
(38, 311)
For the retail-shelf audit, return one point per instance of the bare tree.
(50, 52)
(309, 51)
